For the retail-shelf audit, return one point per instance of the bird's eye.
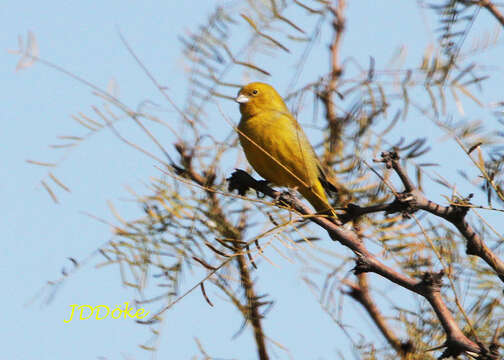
(255, 92)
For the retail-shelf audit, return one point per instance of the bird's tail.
(318, 198)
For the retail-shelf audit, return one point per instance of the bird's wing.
(329, 187)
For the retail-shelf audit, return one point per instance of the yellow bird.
(277, 147)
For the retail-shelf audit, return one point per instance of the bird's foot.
(262, 184)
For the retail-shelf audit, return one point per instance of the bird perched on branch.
(277, 147)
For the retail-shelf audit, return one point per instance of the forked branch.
(429, 287)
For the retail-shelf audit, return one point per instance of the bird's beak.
(242, 99)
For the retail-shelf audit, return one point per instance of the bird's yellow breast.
(276, 150)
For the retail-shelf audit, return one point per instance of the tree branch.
(454, 214)
(492, 8)
(360, 293)
(353, 211)
(232, 232)
(327, 95)
(428, 287)
(253, 307)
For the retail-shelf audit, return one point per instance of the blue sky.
(39, 236)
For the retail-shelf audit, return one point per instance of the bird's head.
(256, 97)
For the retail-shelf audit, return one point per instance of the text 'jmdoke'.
(103, 311)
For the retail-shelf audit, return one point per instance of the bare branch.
(492, 8)
(327, 94)
(428, 287)
(453, 213)
(360, 293)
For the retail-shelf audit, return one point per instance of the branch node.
(406, 203)
(461, 207)
(352, 212)
(407, 347)
(362, 265)
(388, 158)
(431, 282)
